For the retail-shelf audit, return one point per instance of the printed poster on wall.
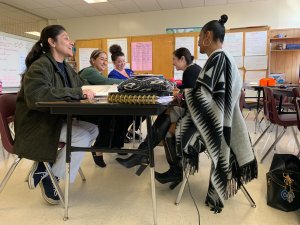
(186, 42)
(120, 41)
(141, 56)
(256, 43)
(233, 43)
(84, 57)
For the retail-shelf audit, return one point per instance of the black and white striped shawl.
(213, 119)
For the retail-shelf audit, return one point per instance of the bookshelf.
(282, 60)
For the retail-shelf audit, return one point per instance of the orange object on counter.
(267, 82)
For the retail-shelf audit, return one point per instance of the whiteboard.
(13, 51)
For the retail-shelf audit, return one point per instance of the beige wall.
(275, 13)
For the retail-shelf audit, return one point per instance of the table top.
(102, 107)
(288, 87)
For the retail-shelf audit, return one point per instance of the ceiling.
(63, 9)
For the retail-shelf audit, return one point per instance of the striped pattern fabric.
(214, 122)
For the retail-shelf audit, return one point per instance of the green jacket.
(37, 131)
(93, 76)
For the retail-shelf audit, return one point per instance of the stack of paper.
(101, 90)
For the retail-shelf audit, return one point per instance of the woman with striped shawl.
(214, 120)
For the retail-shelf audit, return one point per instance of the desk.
(104, 108)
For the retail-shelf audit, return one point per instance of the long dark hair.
(217, 27)
(42, 45)
(115, 51)
(185, 53)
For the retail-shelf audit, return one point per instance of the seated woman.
(122, 73)
(118, 59)
(112, 130)
(213, 120)
(94, 73)
(165, 124)
(37, 132)
(182, 60)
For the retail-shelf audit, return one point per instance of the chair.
(250, 105)
(187, 171)
(284, 120)
(7, 112)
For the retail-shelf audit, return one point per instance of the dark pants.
(112, 129)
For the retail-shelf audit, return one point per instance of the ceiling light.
(35, 33)
(95, 1)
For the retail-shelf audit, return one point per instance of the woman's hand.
(88, 94)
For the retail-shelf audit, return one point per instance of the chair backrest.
(7, 112)
(270, 109)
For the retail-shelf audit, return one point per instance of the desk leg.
(257, 110)
(68, 161)
(152, 167)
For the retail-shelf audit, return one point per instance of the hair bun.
(115, 49)
(223, 19)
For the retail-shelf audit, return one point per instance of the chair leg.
(276, 135)
(296, 140)
(261, 136)
(9, 173)
(81, 174)
(248, 196)
(54, 182)
(185, 179)
(273, 145)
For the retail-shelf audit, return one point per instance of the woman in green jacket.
(94, 73)
(49, 78)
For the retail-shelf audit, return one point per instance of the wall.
(275, 13)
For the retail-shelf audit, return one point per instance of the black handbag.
(283, 183)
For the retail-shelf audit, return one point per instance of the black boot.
(158, 133)
(175, 173)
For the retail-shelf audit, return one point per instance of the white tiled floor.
(115, 195)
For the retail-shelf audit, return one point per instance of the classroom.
(140, 112)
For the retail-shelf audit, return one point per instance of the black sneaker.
(37, 173)
(49, 193)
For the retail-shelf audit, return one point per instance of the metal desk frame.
(104, 108)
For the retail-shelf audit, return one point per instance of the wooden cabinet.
(283, 60)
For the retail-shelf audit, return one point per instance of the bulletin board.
(163, 46)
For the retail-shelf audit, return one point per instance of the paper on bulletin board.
(233, 43)
(239, 61)
(242, 74)
(186, 42)
(141, 56)
(200, 62)
(256, 43)
(256, 62)
(110, 67)
(177, 74)
(84, 57)
(253, 77)
(120, 41)
(202, 56)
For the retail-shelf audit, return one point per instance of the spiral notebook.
(140, 98)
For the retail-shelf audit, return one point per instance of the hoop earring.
(206, 45)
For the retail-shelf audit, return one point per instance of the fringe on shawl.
(239, 175)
